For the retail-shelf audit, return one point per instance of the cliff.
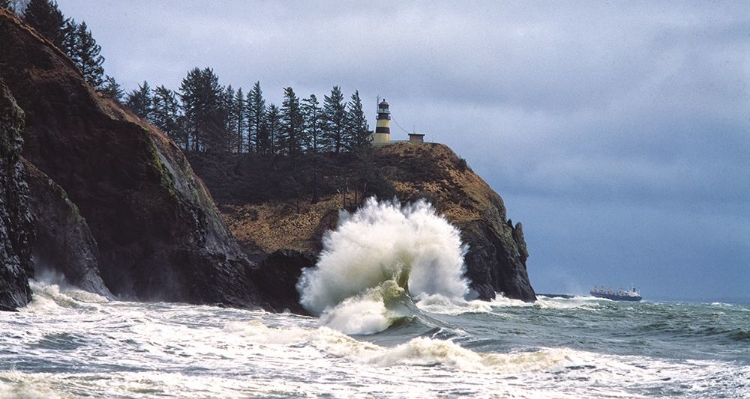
(496, 260)
(112, 183)
(16, 230)
(118, 210)
(286, 216)
(64, 243)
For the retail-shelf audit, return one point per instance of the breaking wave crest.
(50, 297)
(378, 259)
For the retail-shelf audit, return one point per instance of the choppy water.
(75, 344)
(393, 322)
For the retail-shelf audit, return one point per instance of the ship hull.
(617, 297)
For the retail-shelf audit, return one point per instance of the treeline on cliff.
(205, 116)
(66, 34)
(245, 149)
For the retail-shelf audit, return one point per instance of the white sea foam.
(420, 351)
(48, 297)
(431, 352)
(20, 386)
(126, 349)
(410, 246)
(440, 304)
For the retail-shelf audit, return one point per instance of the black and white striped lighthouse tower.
(382, 133)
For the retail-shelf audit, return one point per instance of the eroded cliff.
(16, 229)
(158, 234)
(288, 218)
(496, 260)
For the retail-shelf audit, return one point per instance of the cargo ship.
(620, 295)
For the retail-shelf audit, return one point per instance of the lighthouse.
(382, 133)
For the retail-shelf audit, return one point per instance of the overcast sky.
(618, 133)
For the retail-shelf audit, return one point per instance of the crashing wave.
(379, 257)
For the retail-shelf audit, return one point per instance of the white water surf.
(380, 253)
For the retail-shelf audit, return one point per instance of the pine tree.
(239, 116)
(313, 118)
(292, 124)
(190, 106)
(139, 101)
(358, 134)
(70, 40)
(272, 126)
(166, 114)
(314, 125)
(47, 19)
(227, 114)
(112, 89)
(205, 113)
(256, 118)
(87, 56)
(334, 110)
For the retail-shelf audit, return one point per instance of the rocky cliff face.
(158, 234)
(496, 260)
(64, 243)
(16, 230)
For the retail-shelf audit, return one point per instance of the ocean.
(393, 318)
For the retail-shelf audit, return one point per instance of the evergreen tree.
(227, 114)
(47, 19)
(239, 116)
(166, 114)
(140, 102)
(71, 39)
(334, 111)
(358, 133)
(5, 4)
(205, 113)
(87, 56)
(270, 137)
(313, 119)
(314, 125)
(290, 138)
(112, 89)
(256, 118)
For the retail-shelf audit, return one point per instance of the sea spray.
(379, 253)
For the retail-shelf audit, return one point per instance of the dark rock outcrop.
(496, 259)
(16, 230)
(63, 243)
(159, 234)
(277, 276)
